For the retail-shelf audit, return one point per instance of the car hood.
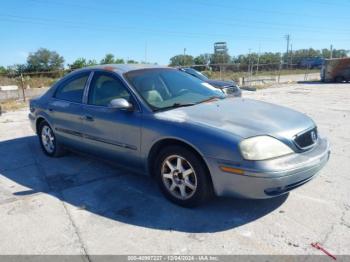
(242, 117)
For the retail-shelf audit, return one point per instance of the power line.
(44, 22)
(203, 3)
(268, 25)
(288, 39)
(264, 11)
(83, 25)
(331, 3)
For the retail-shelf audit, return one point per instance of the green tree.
(108, 59)
(91, 62)
(202, 59)
(44, 60)
(3, 70)
(21, 68)
(338, 53)
(131, 61)
(119, 61)
(78, 63)
(301, 54)
(326, 53)
(220, 59)
(181, 60)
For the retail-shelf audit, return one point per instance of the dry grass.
(32, 82)
(229, 75)
(4, 81)
(12, 105)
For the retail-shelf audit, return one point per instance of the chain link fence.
(20, 86)
(260, 74)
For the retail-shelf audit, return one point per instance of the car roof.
(124, 68)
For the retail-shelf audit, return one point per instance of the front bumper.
(269, 178)
(31, 118)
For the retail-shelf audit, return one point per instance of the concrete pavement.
(82, 205)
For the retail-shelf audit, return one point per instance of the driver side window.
(106, 87)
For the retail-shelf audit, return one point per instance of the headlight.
(263, 147)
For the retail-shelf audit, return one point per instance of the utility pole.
(184, 57)
(331, 56)
(279, 68)
(249, 66)
(22, 85)
(291, 55)
(287, 37)
(257, 66)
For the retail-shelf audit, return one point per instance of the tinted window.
(162, 88)
(73, 89)
(104, 88)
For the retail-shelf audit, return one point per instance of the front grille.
(307, 139)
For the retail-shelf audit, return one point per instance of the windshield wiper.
(175, 105)
(210, 99)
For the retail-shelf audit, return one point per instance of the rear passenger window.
(73, 89)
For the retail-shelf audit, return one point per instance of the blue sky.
(90, 29)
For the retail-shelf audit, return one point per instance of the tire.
(339, 79)
(49, 144)
(187, 184)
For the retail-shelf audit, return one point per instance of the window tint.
(104, 88)
(73, 89)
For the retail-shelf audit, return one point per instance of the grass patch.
(12, 105)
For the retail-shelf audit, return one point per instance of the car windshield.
(196, 73)
(164, 88)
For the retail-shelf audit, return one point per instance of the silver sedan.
(193, 139)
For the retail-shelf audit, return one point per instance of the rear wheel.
(48, 141)
(182, 176)
(339, 79)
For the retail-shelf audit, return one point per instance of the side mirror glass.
(120, 103)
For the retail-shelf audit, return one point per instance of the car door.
(65, 109)
(112, 132)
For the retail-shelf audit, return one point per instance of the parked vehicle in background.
(312, 63)
(227, 87)
(336, 70)
(193, 139)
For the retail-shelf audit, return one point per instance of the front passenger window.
(104, 88)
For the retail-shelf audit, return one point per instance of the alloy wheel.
(47, 139)
(179, 177)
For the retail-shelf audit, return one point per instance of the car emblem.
(313, 136)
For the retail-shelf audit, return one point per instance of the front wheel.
(182, 176)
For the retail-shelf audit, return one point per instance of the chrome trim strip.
(98, 139)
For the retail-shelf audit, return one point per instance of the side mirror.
(120, 103)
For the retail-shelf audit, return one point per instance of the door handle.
(88, 118)
(50, 110)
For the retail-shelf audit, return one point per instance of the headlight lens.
(263, 147)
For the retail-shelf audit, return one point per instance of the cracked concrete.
(81, 205)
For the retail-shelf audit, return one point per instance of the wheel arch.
(38, 121)
(165, 142)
